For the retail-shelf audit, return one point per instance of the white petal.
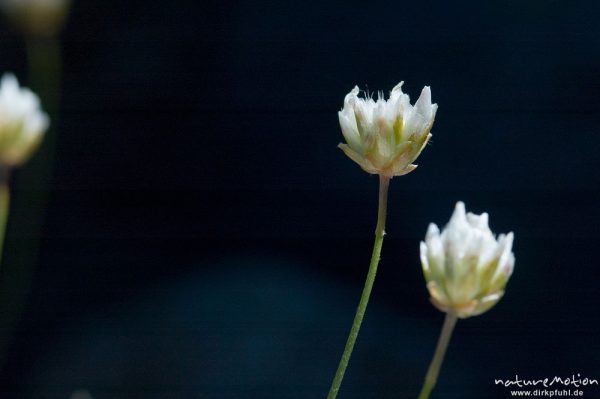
(351, 97)
(478, 221)
(423, 104)
(507, 259)
(459, 214)
(424, 261)
(350, 130)
(397, 91)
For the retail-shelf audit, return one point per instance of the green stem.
(4, 206)
(438, 357)
(384, 183)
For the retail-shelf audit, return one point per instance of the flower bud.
(22, 122)
(385, 137)
(81, 394)
(38, 17)
(466, 267)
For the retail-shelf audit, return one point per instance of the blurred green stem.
(384, 183)
(4, 205)
(438, 357)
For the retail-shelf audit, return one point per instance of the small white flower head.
(22, 122)
(81, 394)
(39, 17)
(386, 136)
(465, 266)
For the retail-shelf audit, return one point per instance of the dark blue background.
(205, 238)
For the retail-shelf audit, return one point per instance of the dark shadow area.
(205, 238)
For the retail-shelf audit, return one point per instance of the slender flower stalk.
(364, 299)
(4, 205)
(438, 357)
(383, 137)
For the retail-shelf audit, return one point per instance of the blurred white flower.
(42, 17)
(385, 137)
(22, 122)
(465, 266)
(81, 394)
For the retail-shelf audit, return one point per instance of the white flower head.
(41, 17)
(22, 122)
(81, 394)
(466, 267)
(386, 136)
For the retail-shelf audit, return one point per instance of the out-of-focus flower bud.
(81, 394)
(22, 122)
(465, 266)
